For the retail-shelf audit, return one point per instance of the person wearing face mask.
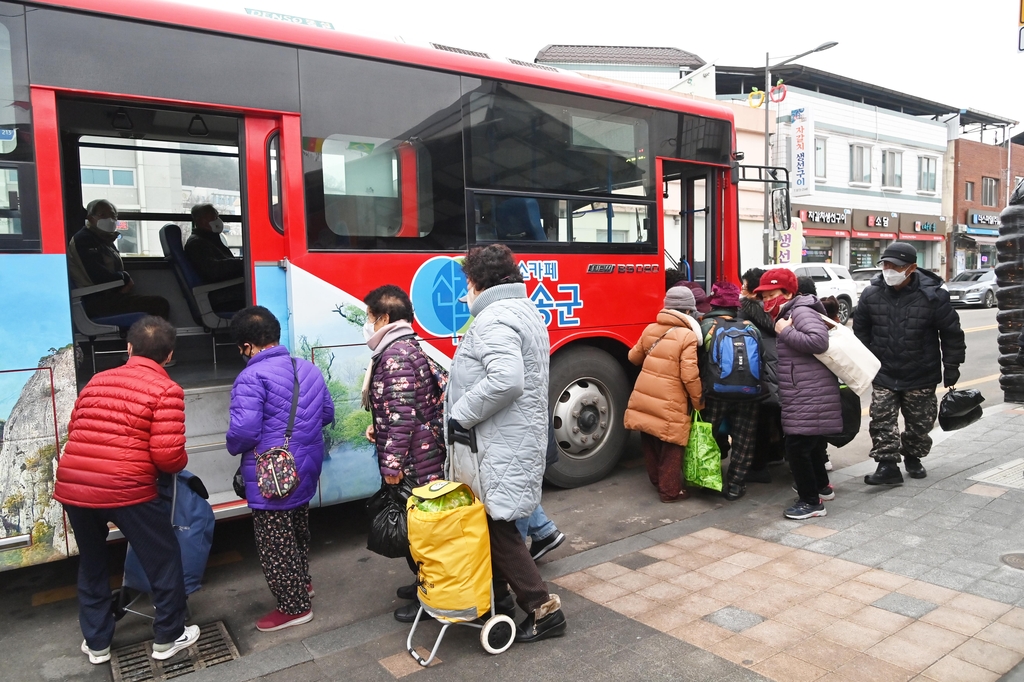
(93, 259)
(404, 399)
(905, 318)
(496, 419)
(260, 407)
(769, 442)
(213, 260)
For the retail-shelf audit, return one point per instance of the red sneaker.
(275, 620)
(310, 591)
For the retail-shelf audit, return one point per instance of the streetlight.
(768, 235)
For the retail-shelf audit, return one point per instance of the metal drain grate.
(134, 663)
(1009, 475)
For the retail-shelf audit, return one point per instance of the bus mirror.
(780, 208)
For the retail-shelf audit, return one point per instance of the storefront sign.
(983, 231)
(983, 218)
(875, 224)
(928, 228)
(828, 217)
(803, 153)
(824, 221)
(817, 232)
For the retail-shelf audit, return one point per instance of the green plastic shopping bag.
(703, 458)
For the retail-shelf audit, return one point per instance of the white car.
(862, 278)
(831, 280)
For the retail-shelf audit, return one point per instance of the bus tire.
(588, 393)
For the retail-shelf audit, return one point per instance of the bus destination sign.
(289, 18)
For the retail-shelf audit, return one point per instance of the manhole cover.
(1014, 560)
(1009, 475)
(134, 663)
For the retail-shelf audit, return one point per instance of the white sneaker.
(162, 652)
(96, 657)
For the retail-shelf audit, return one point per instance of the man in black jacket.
(906, 320)
(93, 259)
(213, 260)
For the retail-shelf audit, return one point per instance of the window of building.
(969, 192)
(989, 192)
(892, 168)
(926, 166)
(819, 158)
(860, 163)
(382, 156)
(107, 177)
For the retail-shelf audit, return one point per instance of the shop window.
(819, 158)
(969, 192)
(989, 191)
(860, 163)
(892, 169)
(926, 166)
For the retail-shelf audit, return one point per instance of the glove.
(950, 375)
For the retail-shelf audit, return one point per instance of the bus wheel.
(587, 394)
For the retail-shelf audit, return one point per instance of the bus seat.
(108, 328)
(197, 294)
(518, 219)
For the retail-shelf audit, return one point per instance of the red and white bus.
(339, 163)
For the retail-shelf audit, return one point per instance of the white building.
(866, 164)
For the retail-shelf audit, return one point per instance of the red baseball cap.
(778, 278)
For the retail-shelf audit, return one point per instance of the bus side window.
(274, 181)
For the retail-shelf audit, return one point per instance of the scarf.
(380, 340)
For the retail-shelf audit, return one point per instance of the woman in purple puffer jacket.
(261, 401)
(404, 399)
(808, 392)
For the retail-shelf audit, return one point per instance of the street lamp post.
(768, 232)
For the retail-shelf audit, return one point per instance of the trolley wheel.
(498, 634)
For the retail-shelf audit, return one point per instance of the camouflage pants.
(920, 407)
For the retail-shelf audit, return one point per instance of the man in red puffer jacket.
(128, 427)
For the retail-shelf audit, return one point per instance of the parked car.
(862, 278)
(973, 287)
(831, 280)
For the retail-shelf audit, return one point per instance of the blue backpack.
(733, 361)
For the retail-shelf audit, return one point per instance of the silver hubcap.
(582, 418)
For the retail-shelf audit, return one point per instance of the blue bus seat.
(197, 294)
(518, 219)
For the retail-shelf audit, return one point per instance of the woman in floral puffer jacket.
(403, 396)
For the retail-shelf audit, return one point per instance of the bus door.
(689, 192)
(171, 172)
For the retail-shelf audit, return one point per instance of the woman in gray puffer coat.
(809, 393)
(496, 411)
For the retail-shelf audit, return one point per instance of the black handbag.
(238, 483)
(960, 403)
(850, 404)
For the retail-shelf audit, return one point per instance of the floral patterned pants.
(282, 542)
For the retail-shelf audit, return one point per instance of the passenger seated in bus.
(93, 259)
(213, 260)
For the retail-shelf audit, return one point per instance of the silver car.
(973, 287)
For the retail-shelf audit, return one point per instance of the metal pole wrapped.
(1010, 296)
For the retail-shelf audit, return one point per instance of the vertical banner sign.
(790, 243)
(803, 153)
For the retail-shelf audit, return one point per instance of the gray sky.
(959, 54)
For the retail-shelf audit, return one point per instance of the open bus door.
(776, 184)
(693, 197)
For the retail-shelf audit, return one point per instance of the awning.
(873, 235)
(923, 237)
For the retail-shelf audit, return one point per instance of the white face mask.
(108, 225)
(216, 226)
(368, 330)
(894, 277)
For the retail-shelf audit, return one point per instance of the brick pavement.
(894, 584)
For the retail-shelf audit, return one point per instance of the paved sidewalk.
(894, 584)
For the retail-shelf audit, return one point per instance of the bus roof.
(282, 32)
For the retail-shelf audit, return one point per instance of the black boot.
(887, 473)
(407, 613)
(734, 491)
(506, 606)
(551, 625)
(914, 467)
(407, 591)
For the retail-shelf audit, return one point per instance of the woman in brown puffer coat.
(668, 385)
